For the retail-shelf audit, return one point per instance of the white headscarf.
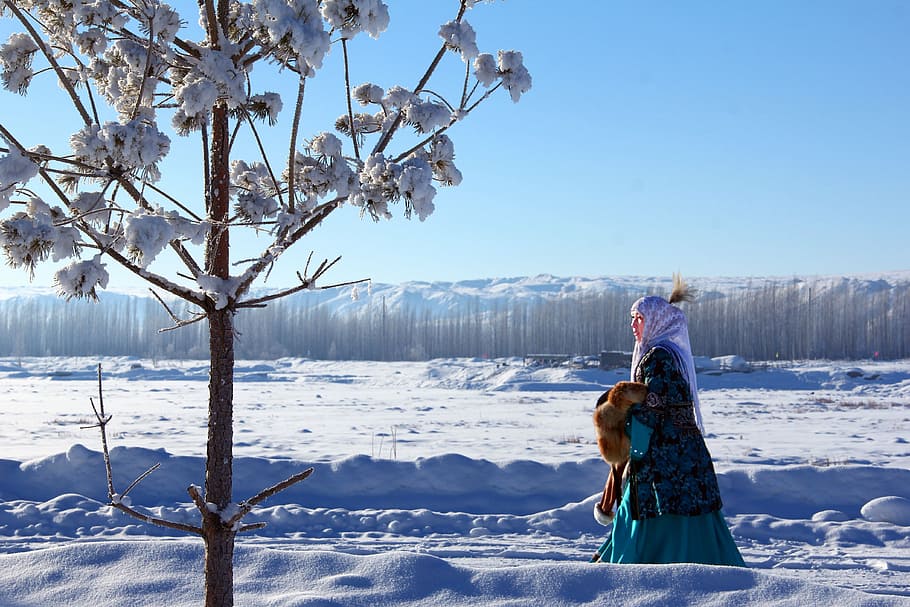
(666, 325)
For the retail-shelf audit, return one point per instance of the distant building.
(546, 360)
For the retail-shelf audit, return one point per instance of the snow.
(444, 482)
(80, 278)
(147, 234)
(891, 509)
(14, 168)
(514, 74)
(460, 37)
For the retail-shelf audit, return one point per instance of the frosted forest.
(761, 319)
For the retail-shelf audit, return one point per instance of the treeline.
(796, 320)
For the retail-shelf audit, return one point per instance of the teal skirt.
(670, 538)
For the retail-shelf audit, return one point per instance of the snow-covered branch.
(132, 55)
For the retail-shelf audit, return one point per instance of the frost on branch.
(163, 21)
(485, 69)
(363, 125)
(213, 77)
(129, 55)
(266, 106)
(219, 290)
(16, 62)
(98, 14)
(117, 499)
(92, 208)
(461, 38)
(398, 96)
(383, 181)
(515, 77)
(254, 190)
(426, 116)
(136, 145)
(351, 17)
(30, 237)
(187, 229)
(368, 93)
(441, 159)
(509, 67)
(322, 170)
(415, 185)
(125, 74)
(80, 278)
(146, 235)
(14, 168)
(378, 185)
(26, 240)
(292, 29)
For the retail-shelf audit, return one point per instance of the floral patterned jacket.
(671, 470)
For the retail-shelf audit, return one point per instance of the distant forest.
(773, 321)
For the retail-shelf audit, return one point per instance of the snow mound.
(835, 516)
(284, 577)
(891, 509)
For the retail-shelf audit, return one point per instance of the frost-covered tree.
(140, 85)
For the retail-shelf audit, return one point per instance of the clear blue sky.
(712, 138)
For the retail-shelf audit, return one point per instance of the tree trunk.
(219, 539)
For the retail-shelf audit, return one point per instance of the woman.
(670, 510)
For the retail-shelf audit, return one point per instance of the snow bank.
(156, 573)
(889, 509)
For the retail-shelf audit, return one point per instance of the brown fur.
(610, 419)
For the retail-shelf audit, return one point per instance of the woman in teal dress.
(670, 506)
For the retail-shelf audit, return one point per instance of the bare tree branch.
(178, 322)
(102, 423)
(347, 88)
(281, 244)
(184, 323)
(139, 479)
(247, 506)
(164, 305)
(115, 500)
(265, 156)
(292, 148)
(160, 522)
(305, 283)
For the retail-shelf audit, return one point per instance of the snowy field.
(443, 483)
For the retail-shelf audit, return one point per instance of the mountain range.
(440, 297)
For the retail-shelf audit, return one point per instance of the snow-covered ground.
(447, 482)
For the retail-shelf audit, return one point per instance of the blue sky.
(711, 138)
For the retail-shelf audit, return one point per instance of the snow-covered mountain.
(484, 294)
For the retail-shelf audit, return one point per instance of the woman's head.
(655, 319)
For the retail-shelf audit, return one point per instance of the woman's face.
(638, 325)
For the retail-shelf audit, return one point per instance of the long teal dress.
(670, 510)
